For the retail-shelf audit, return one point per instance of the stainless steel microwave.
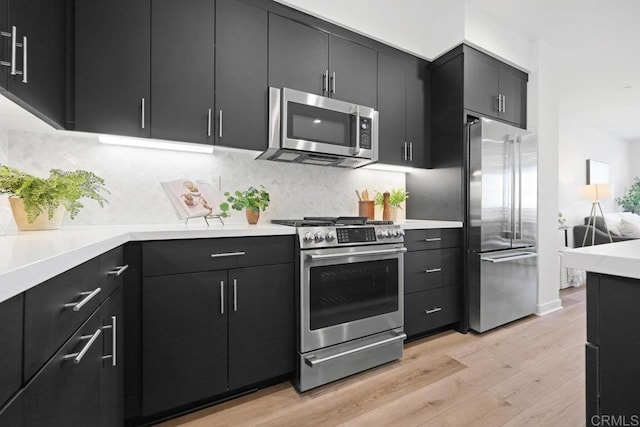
(313, 129)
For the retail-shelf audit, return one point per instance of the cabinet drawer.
(112, 271)
(428, 310)
(47, 322)
(417, 240)
(190, 256)
(10, 347)
(437, 268)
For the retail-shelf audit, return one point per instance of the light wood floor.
(529, 373)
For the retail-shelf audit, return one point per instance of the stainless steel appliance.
(312, 129)
(502, 218)
(349, 299)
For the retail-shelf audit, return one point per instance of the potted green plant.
(397, 197)
(252, 200)
(39, 203)
(631, 201)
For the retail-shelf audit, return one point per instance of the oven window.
(347, 292)
(319, 125)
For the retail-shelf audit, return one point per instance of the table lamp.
(595, 193)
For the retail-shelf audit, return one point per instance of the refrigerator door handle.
(513, 189)
(518, 142)
(510, 257)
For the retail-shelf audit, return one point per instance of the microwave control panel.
(365, 133)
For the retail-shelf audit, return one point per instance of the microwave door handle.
(356, 150)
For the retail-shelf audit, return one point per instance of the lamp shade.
(595, 192)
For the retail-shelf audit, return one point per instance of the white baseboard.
(548, 307)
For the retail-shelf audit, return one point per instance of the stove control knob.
(308, 237)
(400, 232)
(393, 233)
(383, 233)
(330, 236)
(319, 236)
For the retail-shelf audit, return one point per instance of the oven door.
(349, 293)
(324, 125)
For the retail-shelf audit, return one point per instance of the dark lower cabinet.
(184, 341)
(11, 312)
(112, 372)
(12, 413)
(428, 310)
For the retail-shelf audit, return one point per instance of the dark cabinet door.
(66, 392)
(481, 83)
(419, 113)
(112, 66)
(513, 87)
(393, 148)
(261, 324)
(182, 64)
(42, 22)
(298, 56)
(12, 414)
(11, 321)
(241, 75)
(5, 44)
(354, 72)
(112, 379)
(184, 343)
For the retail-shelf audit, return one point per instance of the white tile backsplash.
(4, 146)
(133, 176)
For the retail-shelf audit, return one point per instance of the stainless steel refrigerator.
(502, 219)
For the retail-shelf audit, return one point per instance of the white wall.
(133, 176)
(634, 149)
(579, 142)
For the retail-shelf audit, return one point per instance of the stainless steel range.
(349, 297)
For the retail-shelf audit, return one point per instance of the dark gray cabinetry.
(112, 67)
(182, 70)
(112, 372)
(404, 105)
(310, 60)
(494, 89)
(433, 278)
(613, 347)
(240, 116)
(216, 323)
(38, 84)
(11, 345)
(12, 414)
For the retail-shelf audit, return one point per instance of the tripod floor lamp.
(595, 193)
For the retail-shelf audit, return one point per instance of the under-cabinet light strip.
(150, 143)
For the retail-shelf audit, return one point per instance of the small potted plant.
(397, 196)
(252, 200)
(39, 203)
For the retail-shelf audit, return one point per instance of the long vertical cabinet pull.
(142, 110)
(504, 104)
(499, 103)
(333, 82)
(114, 341)
(24, 59)
(325, 82)
(220, 125)
(209, 122)
(235, 294)
(222, 297)
(13, 50)
(411, 151)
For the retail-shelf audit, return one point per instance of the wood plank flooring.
(528, 373)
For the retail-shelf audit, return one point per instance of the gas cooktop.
(311, 221)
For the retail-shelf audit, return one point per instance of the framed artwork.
(597, 172)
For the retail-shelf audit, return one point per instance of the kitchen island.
(613, 329)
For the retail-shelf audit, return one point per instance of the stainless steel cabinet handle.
(411, 151)
(235, 294)
(313, 361)
(433, 239)
(77, 357)
(499, 103)
(226, 254)
(88, 297)
(432, 270)
(222, 297)
(433, 310)
(220, 125)
(24, 60)
(325, 82)
(114, 341)
(142, 115)
(513, 257)
(209, 123)
(504, 104)
(13, 50)
(363, 253)
(333, 82)
(405, 151)
(118, 270)
(8, 35)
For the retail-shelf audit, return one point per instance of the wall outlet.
(214, 180)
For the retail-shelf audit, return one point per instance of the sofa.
(622, 225)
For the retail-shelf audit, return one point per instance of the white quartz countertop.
(617, 259)
(31, 257)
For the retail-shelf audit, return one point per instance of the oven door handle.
(313, 361)
(363, 253)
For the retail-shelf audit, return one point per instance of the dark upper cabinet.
(112, 66)
(261, 324)
(298, 56)
(182, 64)
(184, 341)
(494, 89)
(11, 315)
(311, 60)
(353, 72)
(403, 103)
(38, 83)
(240, 117)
